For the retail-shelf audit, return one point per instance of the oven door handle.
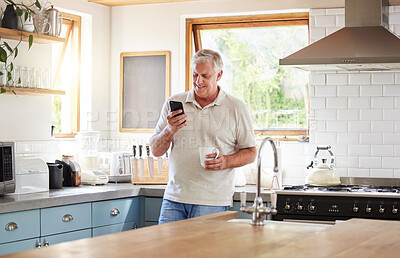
(311, 221)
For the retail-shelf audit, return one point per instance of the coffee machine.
(71, 171)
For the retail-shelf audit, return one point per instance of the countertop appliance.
(71, 171)
(7, 168)
(90, 177)
(31, 175)
(371, 198)
(120, 167)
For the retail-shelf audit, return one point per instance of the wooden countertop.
(212, 236)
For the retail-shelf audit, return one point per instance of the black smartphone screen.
(175, 105)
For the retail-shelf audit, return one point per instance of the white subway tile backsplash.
(381, 173)
(336, 126)
(359, 126)
(382, 102)
(396, 173)
(397, 127)
(23, 147)
(359, 102)
(335, 11)
(317, 12)
(359, 150)
(382, 78)
(347, 162)
(397, 102)
(382, 150)
(317, 34)
(340, 22)
(339, 149)
(391, 138)
(317, 79)
(391, 162)
(359, 78)
(368, 90)
(394, 18)
(325, 138)
(391, 90)
(391, 114)
(317, 103)
(347, 138)
(336, 79)
(336, 102)
(342, 172)
(358, 172)
(371, 138)
(396, 150)
(326, 114)
(370, 162)
(382, 126)
(371, 114)
(325, 91)
(325, 21)
(348, 91)
(330, 30)
(397, 77)
(38, 147)
(348, 114)
(51, 146)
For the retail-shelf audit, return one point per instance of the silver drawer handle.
(46, 243)
(11, 226)
(114, 212)
(67, 217)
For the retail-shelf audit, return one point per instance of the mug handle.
(215, 150)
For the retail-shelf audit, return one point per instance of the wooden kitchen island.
(212, 236)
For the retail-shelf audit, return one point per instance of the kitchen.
(364, 137)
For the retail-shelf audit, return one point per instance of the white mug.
(205, 151)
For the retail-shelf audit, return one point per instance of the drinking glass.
(38, 78)
(32, 77)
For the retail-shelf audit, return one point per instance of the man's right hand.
(176, 121)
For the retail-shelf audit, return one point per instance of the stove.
(370, 198)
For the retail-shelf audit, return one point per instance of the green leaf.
(38, 4)
(26, 16)
(3, 55)
(14, 92)
(2, 90)
(8, 47)
(15, 52)
(30, 41)
(18, 11)
(8, 76)
(1, 73)
(11, 67)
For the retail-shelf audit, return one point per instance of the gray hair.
(204, 55)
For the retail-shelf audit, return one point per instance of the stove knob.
(311, 208)
(287, 206)
(381, 209)
(299, 207)
(368, 209)
(395, 210)
(355, 209)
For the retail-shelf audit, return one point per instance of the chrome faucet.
(258, 209)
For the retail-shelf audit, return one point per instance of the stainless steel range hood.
(363, 44)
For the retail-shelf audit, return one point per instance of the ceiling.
(142, 2)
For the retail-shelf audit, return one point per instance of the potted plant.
(7, 53)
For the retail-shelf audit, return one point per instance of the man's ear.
(219, 75)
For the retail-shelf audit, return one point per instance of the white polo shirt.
(225, 124)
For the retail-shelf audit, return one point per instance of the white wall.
(96, 73)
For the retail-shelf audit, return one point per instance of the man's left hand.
(215, 164)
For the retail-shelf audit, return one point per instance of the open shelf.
(37, 38)
(29, 91)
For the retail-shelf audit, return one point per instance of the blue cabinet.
(65, 237)
(152, 207)
(65, 219)
(19, 246)
(115, 215)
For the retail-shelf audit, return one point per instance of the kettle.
(323, 174)
(55, 21)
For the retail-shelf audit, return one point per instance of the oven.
(7, 168)
(357, 198)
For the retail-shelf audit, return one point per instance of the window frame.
(75, 36)
(193, 44)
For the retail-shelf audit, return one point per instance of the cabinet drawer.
(65, 218)
(18, 246)
(65, 237)
(99, 231)
(152, 207)
(115, 211)
(19, 225)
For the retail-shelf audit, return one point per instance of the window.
(251, 46)
(65, 109)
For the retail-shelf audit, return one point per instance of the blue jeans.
(174, 211)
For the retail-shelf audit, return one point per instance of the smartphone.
(175, 105)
